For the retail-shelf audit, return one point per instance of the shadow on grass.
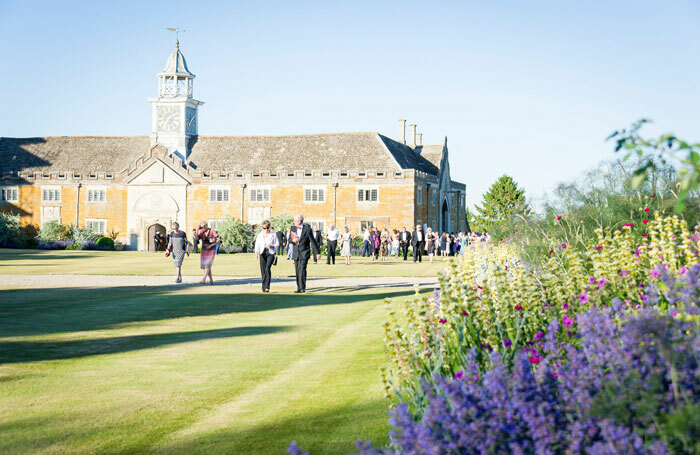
(34, 351)
(333, 431)
(45, 311)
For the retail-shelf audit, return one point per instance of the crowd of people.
(300, 239)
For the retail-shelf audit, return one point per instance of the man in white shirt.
(404, 241)
(365, 242)
(331, 243)
(418, 241)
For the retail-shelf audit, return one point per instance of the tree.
(503, 199)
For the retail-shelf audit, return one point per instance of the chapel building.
(135, 186)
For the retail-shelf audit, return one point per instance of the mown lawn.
(189, 370)
(19, 262)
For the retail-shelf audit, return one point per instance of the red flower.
(551, 251)
(651, 195)
(563, 246)
(506, 267)
(645, 221)
(599, 247)
(645, 234)
(559, 218)
(534, 359)
(479, 286)
(443, 321)
(464, 313)
(518, 307)
(628, 225)
(646, 210)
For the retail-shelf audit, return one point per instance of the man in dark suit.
(318, 236)
(404, 241)
(281, 239)
(418, 242)
(303, 240)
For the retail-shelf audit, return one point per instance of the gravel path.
(318, 284)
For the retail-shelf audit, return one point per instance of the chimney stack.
(402, 131)
(412, 135)
(419, 139)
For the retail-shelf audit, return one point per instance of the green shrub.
(236, 236)
(83, 236)
(53, 231)
(11, 232)
(105, 243)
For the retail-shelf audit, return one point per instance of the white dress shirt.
(266, 239)
(332, 234)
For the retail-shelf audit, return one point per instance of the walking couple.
(302, 240)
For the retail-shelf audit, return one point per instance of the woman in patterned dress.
(177, 246)
(210, 240)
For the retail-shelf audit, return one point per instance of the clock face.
(168, 118)
(190, 120)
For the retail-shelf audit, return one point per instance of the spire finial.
(177, 35)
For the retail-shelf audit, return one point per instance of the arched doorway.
(152, 230)
(445, 217)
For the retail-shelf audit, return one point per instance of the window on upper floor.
(314, 194)
(419, 195)
(218, 194)
(259, 195)
(366, 194)
(96, 195)
(51, 194)
(98, 226)
(10, 194)
(435, 197)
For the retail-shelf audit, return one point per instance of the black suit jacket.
(408, 238)
(318, 236)
(281, 239)
(414, 239)
(302, 250)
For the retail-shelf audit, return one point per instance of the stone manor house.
(139, 185)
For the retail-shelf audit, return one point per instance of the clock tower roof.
(176, 64)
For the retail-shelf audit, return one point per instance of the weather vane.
(177, 34)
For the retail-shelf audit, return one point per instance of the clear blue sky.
(527, 88)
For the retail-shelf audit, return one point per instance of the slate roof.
(342, 151)
(432, 153)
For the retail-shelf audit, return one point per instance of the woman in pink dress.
(210, 242)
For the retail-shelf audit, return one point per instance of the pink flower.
(601, 282)
(646, 210)
(624, 273)
(583, 297)
(443, 321)
(555, 375)
(551, 251)
(459, 374)
(464, 313)
(645, 234)
(645, 221)
(563, 246)
(559, 218)
(568, 322)
(506, 268)
(591, 280)
(566, 306)
(518, 307)
(655, 273)
(682, 270)
(599, 247)
(628, 225)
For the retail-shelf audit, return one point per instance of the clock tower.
(174, 111)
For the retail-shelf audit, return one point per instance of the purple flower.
(601, 282)
(565, 306)
(459, 374)
(583, 297)
(655, 273)
(507, 343)
(539, 335)
(624, 273)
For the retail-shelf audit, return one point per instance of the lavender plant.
(628, 384)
